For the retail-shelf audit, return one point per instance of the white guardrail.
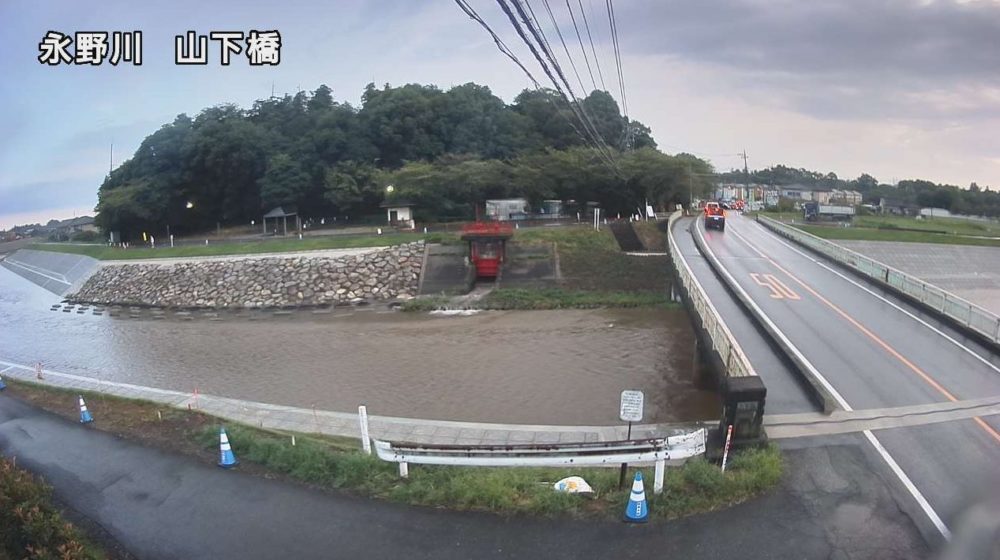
(963, 311)
(595, 454)
(723, 341)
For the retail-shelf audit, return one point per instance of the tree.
(284, 183)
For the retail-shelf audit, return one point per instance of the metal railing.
(593, 454)
(961, 310)
(722, 339)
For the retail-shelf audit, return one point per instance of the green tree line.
(975, 200)
(444, 151)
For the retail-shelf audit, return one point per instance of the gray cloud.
(836, 58)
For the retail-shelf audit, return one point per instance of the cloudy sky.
(896, 88)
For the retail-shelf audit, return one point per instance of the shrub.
(30, 527)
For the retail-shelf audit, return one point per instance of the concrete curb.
(816, 390)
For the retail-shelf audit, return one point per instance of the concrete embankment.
(381, 274)
(58, 273)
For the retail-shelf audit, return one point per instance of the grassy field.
(222, 248)
(591, 261)
(336, 463)
(952, 231)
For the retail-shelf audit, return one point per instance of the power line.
(618, 58)
(471, 12)
(555, 25)
(578, 108)
(591, 39)
(571, 99)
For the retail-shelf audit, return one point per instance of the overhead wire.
(593, 50)
(575, 105)
(595, 138)
(580, 40)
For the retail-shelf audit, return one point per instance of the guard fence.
(964, 312)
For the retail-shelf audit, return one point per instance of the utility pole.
(111, 159)
(746, 176)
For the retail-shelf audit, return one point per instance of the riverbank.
(337, 464)
(381, 274)
(277, 245)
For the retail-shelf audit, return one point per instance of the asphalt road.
(158, 505)
(876, 355)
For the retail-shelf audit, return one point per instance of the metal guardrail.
(595, 454)
(961, 310)
(723, 341)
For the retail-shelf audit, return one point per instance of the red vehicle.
(715, 216)
(487, 246)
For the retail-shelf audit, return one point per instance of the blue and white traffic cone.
(637, 511)
(226, 457)
(85, 417)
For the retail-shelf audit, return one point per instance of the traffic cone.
(637, 511)
(226, 457)
(85, 417)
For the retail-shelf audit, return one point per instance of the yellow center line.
(913, 367)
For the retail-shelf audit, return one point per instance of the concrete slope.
(877, 353)
(59, 273)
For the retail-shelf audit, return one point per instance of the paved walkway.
(160, 506)
(307, 420)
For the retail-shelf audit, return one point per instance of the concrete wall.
(59, 273)
(389, 273)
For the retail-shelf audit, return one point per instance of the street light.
(190, 205)
(389, 189)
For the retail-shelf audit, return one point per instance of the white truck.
(814, 211)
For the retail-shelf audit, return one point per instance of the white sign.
(631, 406)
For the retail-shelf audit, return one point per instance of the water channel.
(529, 367)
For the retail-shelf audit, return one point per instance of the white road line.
(893, 465)
(970, 351)
(33, 271)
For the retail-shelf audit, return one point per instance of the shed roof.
(282, 212)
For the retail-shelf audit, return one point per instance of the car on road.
(715, 216)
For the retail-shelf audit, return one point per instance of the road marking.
(778, 288)
(875, 338)
(925, 506)
(943, 334)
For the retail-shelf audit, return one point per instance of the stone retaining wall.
(389, 273)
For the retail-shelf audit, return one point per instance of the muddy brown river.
(535, 367)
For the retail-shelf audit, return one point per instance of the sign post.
(629, 410)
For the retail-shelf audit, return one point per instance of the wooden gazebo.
(282, 212)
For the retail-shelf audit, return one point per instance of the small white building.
(399, 214)
(507, 209)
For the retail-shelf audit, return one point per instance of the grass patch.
(337, 463)
(30, 526)
(901, 229)
(104, 252)
(558, 298)
(870, 234)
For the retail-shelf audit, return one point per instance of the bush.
(86, 236)
(30, 527)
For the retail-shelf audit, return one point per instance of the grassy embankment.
(30, 526)
(952, 231)
(595, 273)
(337, 463)
(103, 252)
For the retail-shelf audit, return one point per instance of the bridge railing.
(723, 341)
(963, 311)
(591, 454)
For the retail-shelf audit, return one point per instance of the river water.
(535, 367)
